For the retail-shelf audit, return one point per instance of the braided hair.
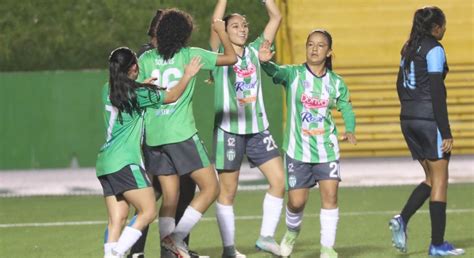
(424, 20)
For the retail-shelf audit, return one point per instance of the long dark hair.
(173, 32)
(122, 89)
(424, 21)
(154, 23)
(328, 63)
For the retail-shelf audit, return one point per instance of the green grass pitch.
(362, 231)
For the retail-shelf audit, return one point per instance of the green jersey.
(174, 122)
(238, 96)
(123, 142)
(310, 133)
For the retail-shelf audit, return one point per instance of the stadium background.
(53, 56)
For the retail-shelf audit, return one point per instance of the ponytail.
(424, 20)
(122, 88)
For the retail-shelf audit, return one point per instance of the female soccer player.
(173, 145)
(425, 126)
(119, 163)
(241, 127)
(311, 144)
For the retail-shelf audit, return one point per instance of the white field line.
(256, 217)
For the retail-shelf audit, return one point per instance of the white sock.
(108, 247)
(226, 221)
(329, 219)
(190, 218)
(128, 237)
(166, 226)
(293, 220)
(271, 214)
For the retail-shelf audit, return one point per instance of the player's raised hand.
(265, 53)
(218, 26)
(350, 137)
(193, 67)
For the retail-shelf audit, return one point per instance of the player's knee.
(117, 220)
(170, 199)
(149, 215)
(296, 206)
(215, 191)
(329, 201)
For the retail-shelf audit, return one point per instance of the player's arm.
(228, 57)
(150, 95)
(189, 72)
(435, 61)
(219, 10)
(279, 74)
(273, 24)
(344, 105)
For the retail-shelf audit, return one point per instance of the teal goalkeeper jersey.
(123, 142)
(310, 133)
(174, 122)
(238, 96)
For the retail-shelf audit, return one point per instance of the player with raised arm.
(173, 147)
(311, 145)
(241, 128)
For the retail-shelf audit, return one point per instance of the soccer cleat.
(268, 244)
(136, 255)
(176, 246)
(165, 253)
(399, 233)
(328, 252)
(288, 241)
(445, 249)
(194, 254)
(231, 252)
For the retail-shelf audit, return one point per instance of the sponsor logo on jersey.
(243, 86)
(310, 102)
(230, 155)
(313, 131)
(292, 180)
(245, 72)
(310, 117)
(247, 100)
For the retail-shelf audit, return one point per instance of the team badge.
(292, 180)
(230, 155)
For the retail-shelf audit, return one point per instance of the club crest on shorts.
(292, 180)
(230, 155)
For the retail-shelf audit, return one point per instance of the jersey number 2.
(334, 170)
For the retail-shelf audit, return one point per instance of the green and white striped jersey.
(173, 122)
(238, 96)
(123, 142)
(310, 133)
